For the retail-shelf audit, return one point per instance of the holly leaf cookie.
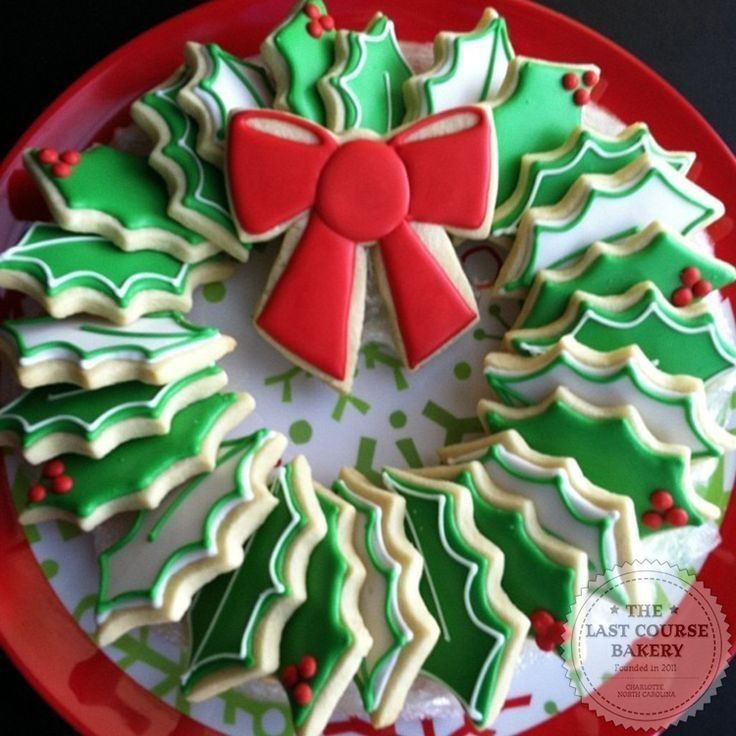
(468, 68)
(615, 450)
(364, 87)
(402, 629)
(605, 207)
(138, 474)
(674, 408)
(689, 341)
(236, 621)
(197, 533)
(546, 177)
(219, 83)
(116, 195)
(568, 506)
(482, 632)
(317, 669)
(538, 107)
(159, 349)
(298, 54)
(558, 570)
(335, 195)
(51, 420)
(71, 273)
(197, 187)
(656, 254)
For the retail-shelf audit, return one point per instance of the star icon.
(614, 609)
(674, 609)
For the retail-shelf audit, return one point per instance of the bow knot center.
(363, 192)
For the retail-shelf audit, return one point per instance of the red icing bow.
(399, 193)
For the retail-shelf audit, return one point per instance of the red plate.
(37, 632)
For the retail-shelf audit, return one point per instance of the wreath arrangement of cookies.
(330, 148)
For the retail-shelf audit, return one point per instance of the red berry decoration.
(307, 667)
(314, 28)
(71, 157)
(689, 276)
(36, 493)
(682, 297)
(662, 500)
(676, 516)
(62, 484)
(328, 22)
(311, 11)
(61, 170)
(558, 632)
(290, 676)
(544, 642)
(541, 620)
(53, 469)
(702, 288)
(581, 97)
(653, 520)
(48, 156)
(302, 694)
(570, 81)
(591, 78)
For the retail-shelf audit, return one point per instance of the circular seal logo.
(648, 645)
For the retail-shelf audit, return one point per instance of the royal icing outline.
(158, 349)
(454, 61)
(599, 523)
(371, 56)
(219, 83)
(611, 322)
(220, 659)
(585, 152)
(198, 195)
(401, 626)
(591, 435)
(59, 418)
(123, 296)
(140, 224)
(674, 408)
(656, 254)
(332, 659)
(221, 510)
(559, 570)
(157, 464)
(605, 207)
(485, 604)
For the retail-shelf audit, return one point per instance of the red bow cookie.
(335, 195)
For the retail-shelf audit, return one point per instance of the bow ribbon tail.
(309, 311)
(428, 307)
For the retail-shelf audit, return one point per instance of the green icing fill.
(675, 343)
(371, 82)
(548, 181)
(609, 453)
(317, 628)
(121, 185)
(245, 447)
(466, 658)
(660, 261)
(134, 466)
(205, 191)
(224, 619)
(49, 409)
(60, 260)
(553, 589)
(539, 115)
(307, 59)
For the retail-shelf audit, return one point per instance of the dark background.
(44, 48)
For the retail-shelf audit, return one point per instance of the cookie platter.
(389, 417)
